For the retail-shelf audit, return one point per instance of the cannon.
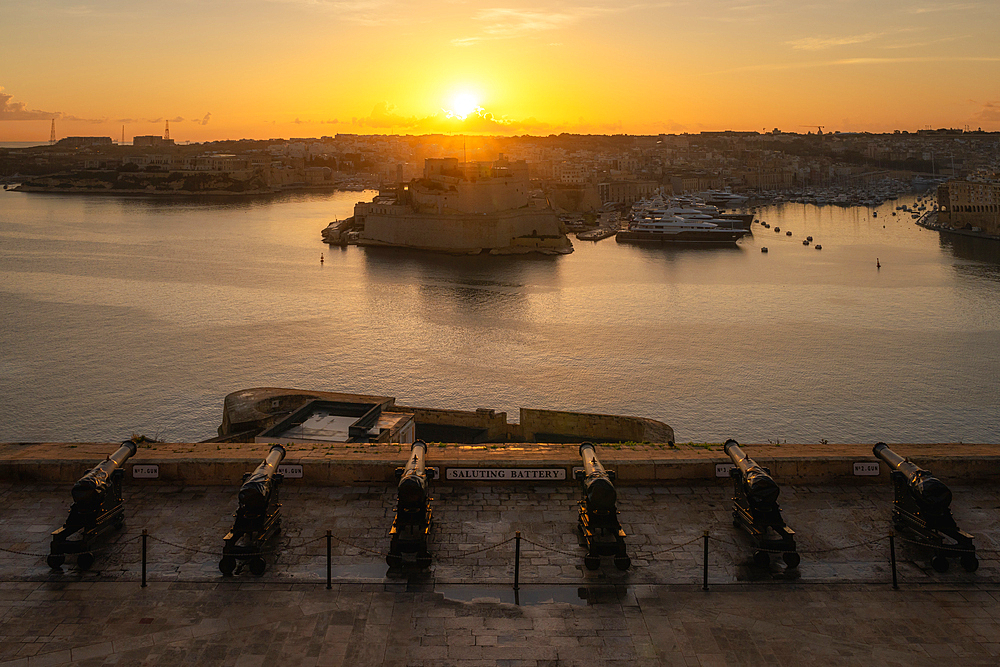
(921, 510)
(97, 510)
(412, 521)
(598, 523)
(257, 519)
(756, 510)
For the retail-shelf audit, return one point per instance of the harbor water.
(125, 315)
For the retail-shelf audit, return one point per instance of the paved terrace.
(837, 608)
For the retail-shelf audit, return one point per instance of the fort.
(691, 591)
(463, 208)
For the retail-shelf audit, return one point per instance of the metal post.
(145, 535)
(892, 560)
(704, 582)
(329, 560)
(517, 558)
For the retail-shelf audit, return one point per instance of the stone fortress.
(674, 504)
(464, 207)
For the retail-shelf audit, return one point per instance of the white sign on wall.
(866, 468)
(506, 474)
(290, 470)
(722, 469)
(146, 471)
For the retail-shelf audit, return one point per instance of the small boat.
(777, 229)
(805, 242)
(763, 249)
(818, 247)
(809, 238)
(788, 233)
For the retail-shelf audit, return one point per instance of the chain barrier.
(944, 547)
(673, 548)
(366, 550)
(466, 554)
(265, 552)
(97, 550)
(800, 551)
(548, 548)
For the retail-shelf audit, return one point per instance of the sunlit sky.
(219, 69)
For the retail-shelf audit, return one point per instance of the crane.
(818, 127)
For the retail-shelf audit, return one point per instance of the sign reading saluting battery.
(506, 474)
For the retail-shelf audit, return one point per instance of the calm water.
(125, 315)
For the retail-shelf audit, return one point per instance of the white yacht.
(674, 229)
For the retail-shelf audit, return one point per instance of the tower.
(166, 130)
(52, 132)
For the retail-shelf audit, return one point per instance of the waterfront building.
(151, 140)
(968, 204)
(463, 207)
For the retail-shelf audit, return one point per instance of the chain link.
(466, 554)
(552, 549)
(675, 547)
(96, 550)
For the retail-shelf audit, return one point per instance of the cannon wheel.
(55, 561)
(592, 562)
(85, 560)
(791, 559)
(969, 562)
(939, 563)
(257, 566)
(227, 565)
(623, 562)
(761, 558)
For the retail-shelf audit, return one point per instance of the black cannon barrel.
(256, 490)
(412, 487)
(90, 487)
(928, 489)
(760, 487)
(597, 487)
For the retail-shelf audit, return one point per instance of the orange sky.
(278, 68)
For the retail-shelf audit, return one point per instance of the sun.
(463, 104)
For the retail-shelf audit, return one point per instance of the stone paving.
(837, 608)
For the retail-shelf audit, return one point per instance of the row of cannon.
(921, 511)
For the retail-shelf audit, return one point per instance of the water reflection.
(976, 250)
(472, 284)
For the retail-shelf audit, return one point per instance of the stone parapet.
(336, 465)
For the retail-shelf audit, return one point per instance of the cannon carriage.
(756, 509)
(411, 523)
(97, 510)
(598, 524)
(257, 521)
(921, 511)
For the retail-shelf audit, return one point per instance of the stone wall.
(542, 425)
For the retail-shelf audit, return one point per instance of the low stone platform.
(837, 607)
(351, 464)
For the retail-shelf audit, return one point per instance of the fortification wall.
(460, 232)
(538, 425)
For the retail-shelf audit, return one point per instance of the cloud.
(819, 43)
(208, 117)
(506, 23)
(368, 12)
(945, 7)
(989, 113)
(385, 116)
(19, 111)
(770, 67)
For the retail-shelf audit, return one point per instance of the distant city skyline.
(281, 68)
